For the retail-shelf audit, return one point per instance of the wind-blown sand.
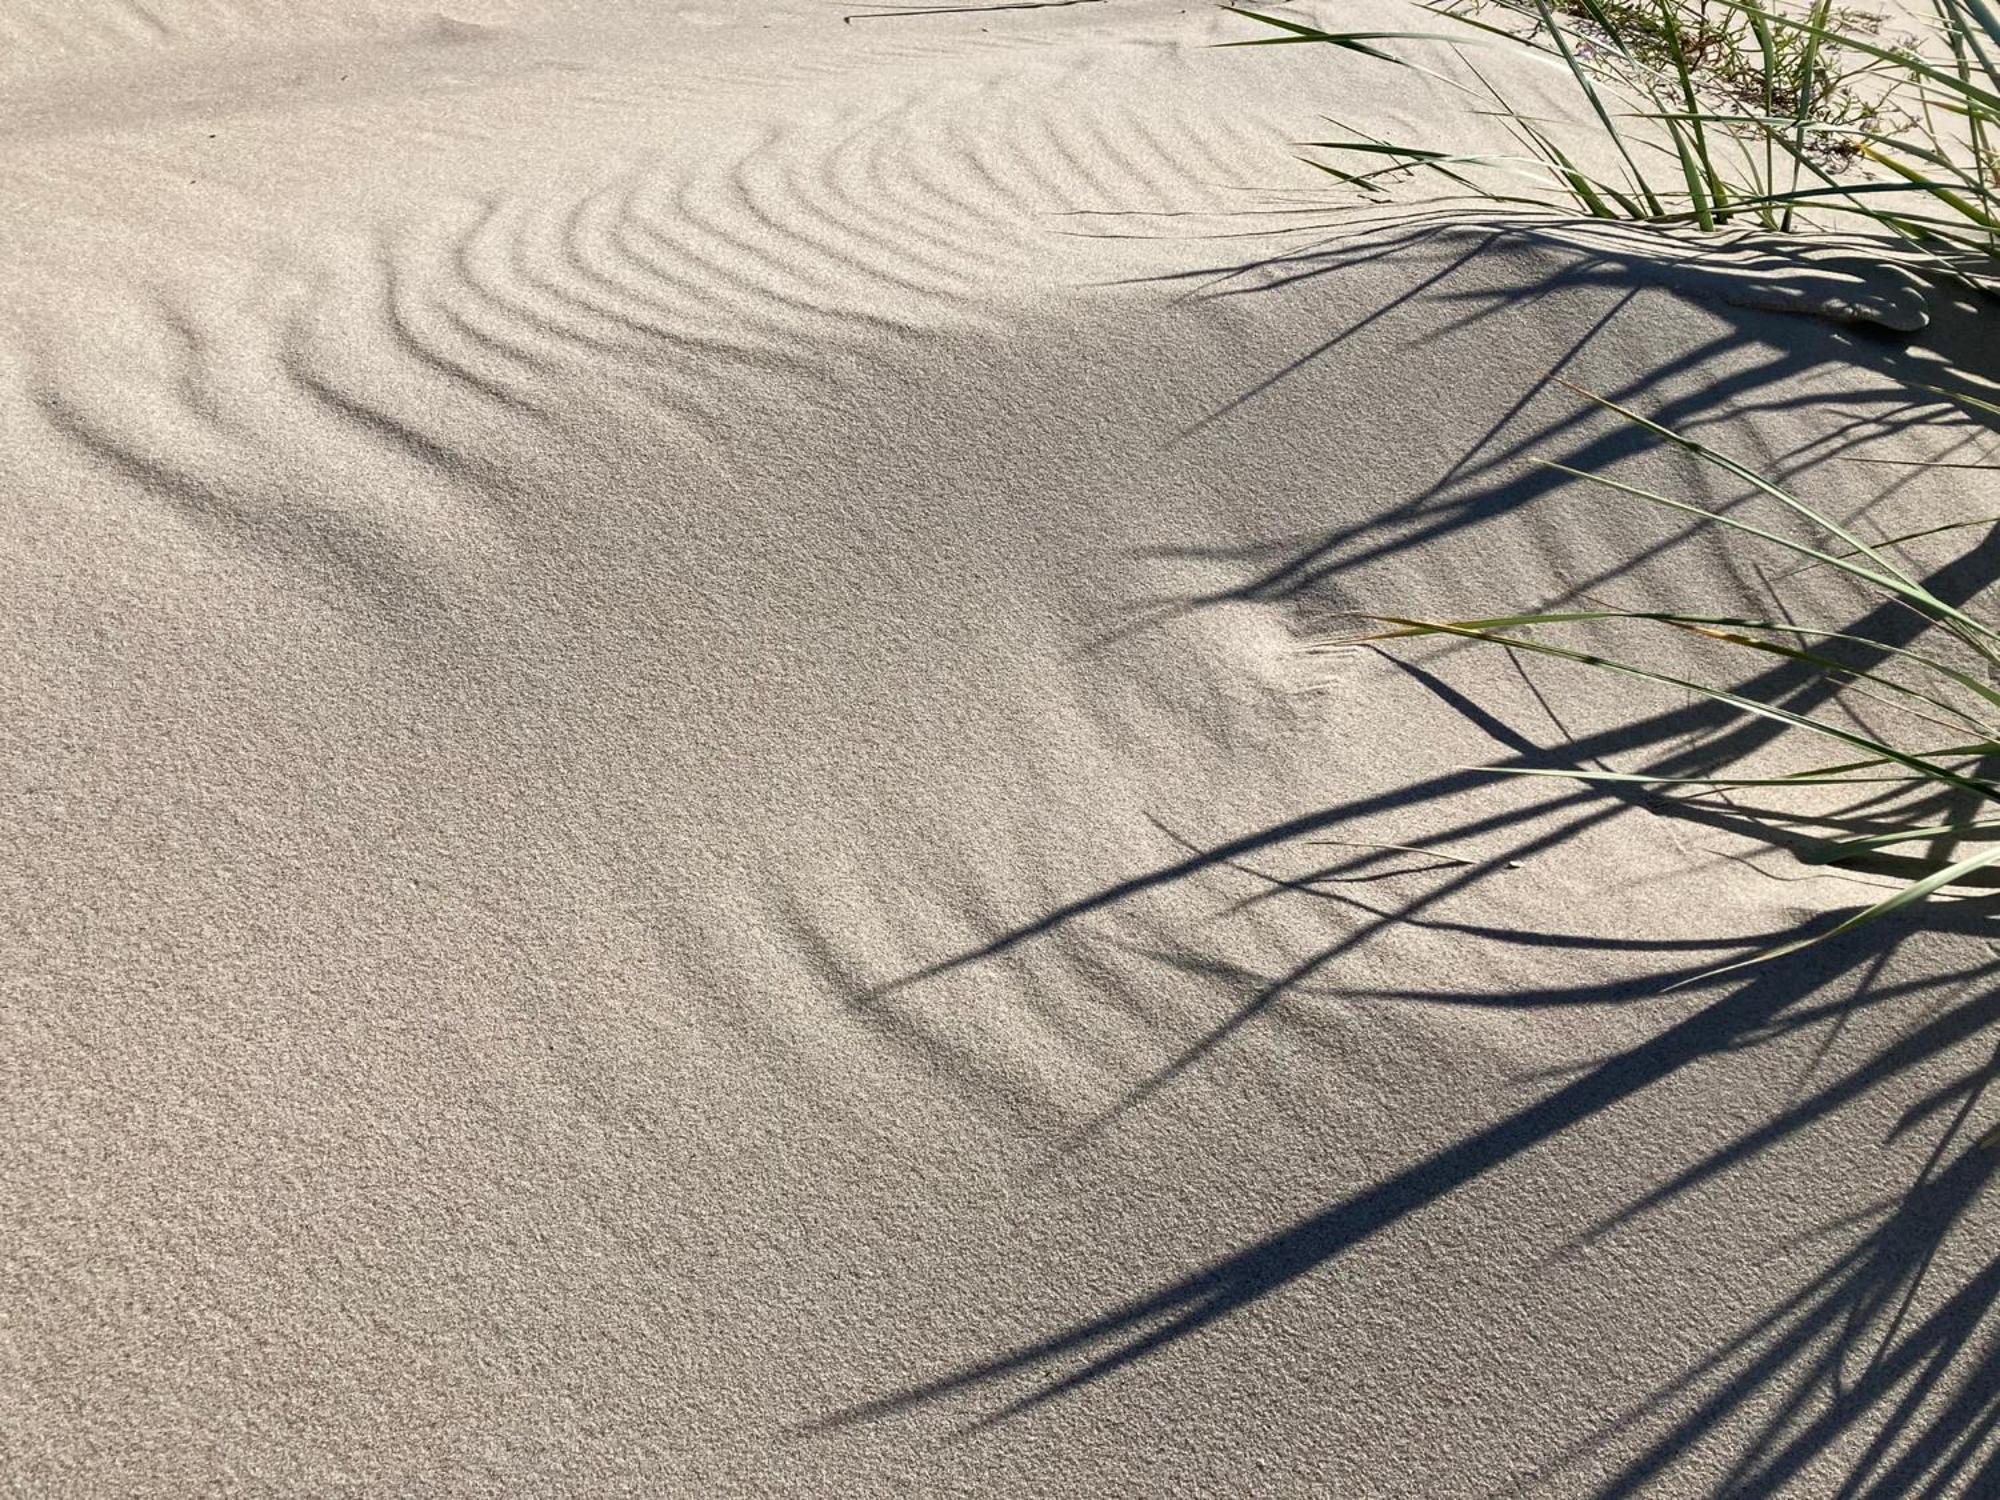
(620, 628)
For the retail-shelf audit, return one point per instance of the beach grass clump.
(1724, 56)
(1710, 113)
(1942, 684)
(1713, 112)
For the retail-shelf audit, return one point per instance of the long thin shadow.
(1860, 1361)
(1103, 1345)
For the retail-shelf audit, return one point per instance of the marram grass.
(1959, 707)
(1717, 112)
(1741, 113)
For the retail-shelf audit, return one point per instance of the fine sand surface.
(652, 711)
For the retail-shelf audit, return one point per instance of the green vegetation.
(1960, 711)
(1718, 111)
(1734, 112)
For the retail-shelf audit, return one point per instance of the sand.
(653, 698)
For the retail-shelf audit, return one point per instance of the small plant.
(1735, 111)
(1955, 701)
(1779, 74)
(1721, 111)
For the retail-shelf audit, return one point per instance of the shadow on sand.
(1871, 1363)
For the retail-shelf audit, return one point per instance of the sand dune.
(655, 724)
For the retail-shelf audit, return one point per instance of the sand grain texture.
(618, 626)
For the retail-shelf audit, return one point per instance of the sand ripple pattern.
(459, 348)
(787, 247)
(34, 33)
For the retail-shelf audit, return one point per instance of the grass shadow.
(1871, 1365)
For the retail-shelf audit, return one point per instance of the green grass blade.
(1837, 850)
(1720, 695)
(1907, 896)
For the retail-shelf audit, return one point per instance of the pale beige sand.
(565, 562)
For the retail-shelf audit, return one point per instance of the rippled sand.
(667, 831)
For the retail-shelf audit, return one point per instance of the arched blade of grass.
(1363, 42)
(1976, 750)
(1943, 192)
(1846, 773)
(1971, 402)
(1962, 625)
(1410, 160)
(1828, 666)
(1707, 626)
(1885, 574)
(1711, 783)
(1923, 768)
(1721, 460)
(1837, 850)
(1589, 193)
(1773, 711)
(1912, 536)
(1908, 896)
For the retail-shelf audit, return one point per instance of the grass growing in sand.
(1717, 112)
(1732, 112)
(1954, 702)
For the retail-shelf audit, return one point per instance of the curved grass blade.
(1909, 895)
(1754, 706)
(1840, 849)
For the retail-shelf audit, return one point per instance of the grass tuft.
(1953, 701)
(1706, 113)
(1717, 112)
